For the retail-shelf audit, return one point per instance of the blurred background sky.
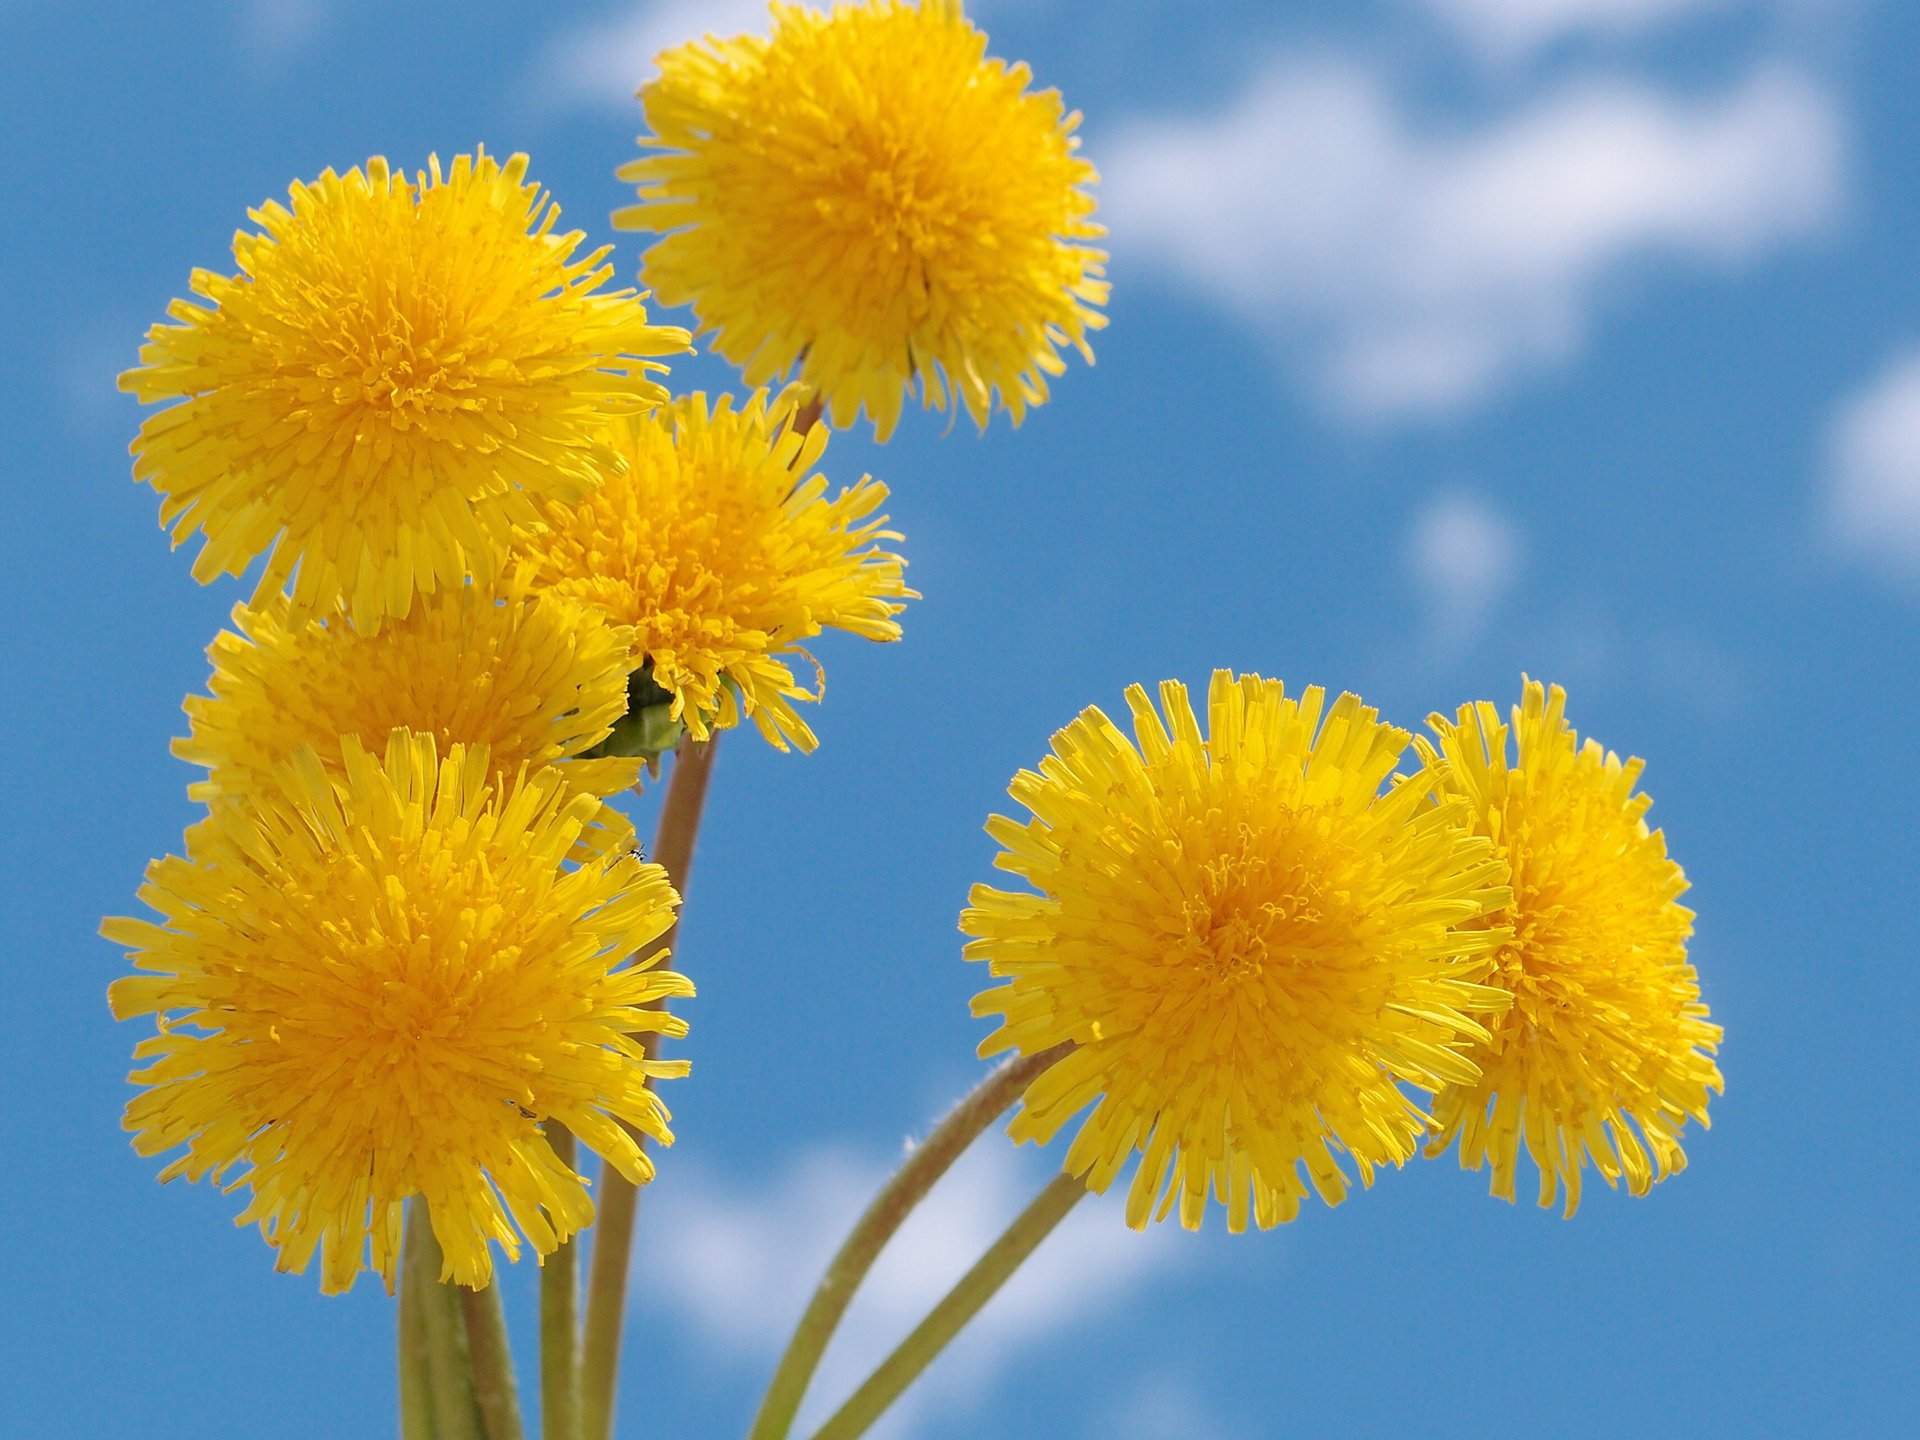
(1450, 339)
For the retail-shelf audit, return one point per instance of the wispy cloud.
(599, 64)
(1415, 270)
(85, 366)
(1463, 555)
(1165, 1406)
(1512, 29)
(743, 1262)
(271, 32)
(1874, 468)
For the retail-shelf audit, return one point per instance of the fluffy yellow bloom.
(1247, 943)
(867, 195)
(724, 554)
(384, 984)
(1607, 1030)
(399, 370)
(536, 681)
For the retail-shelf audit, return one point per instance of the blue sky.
(1450, 339)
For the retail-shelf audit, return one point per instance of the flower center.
(880, 190)
(1258, 907)
(1570, 934)
(396, 358)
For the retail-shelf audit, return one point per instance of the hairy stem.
(493, 1387)
(931, 1159)
(560, 1322)
(416, 1376)
(808, 415)
(619, 1201)
(449, 1370)
(960, 1304)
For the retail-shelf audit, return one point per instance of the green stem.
(808, 415)
(606, 1302)
(908, 1186)
(449, 1371)
(560, 1322)
(619, 1201)
(493, 1387)
(961, 1304)
(416, 1376)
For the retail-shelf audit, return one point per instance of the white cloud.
(1697, 673)
(1418, 270)
(1874, 467)
(1511, 29)
(274, 31)
(742, 1264)
(1463, 555)
(601, 63)
(1658, 662)
(1164, 1406)
(85, 369)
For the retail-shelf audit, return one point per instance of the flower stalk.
(927, 1162)
(960, 1304)
(493, 1388)
(439, 1394)
(560, 1322)
(416, 1383)
(809, 413)
(619, 1202)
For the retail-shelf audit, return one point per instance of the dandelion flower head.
(397, 372)
(384, 985)
(1607, 1033)
(724, 554)
(536, 680)
(866, 195)
(1247, 943)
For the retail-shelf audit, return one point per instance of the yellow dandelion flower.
(399, 370)
(868, 196)
(538, 681)
(722, 561)
(1246, 942)
(1607, 1031)
(383, 985)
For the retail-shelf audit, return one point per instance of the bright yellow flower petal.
(398, 372)
(866, 195)
(1607, 1031)
(384, 985)
(537, 681)
(724, 555)
(1247, 943)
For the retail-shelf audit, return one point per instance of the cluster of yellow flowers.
(489, 536)
(502, 571)
(1250, 947)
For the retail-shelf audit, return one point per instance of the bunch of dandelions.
(380, 978)
(1258, 959)
(411, 953)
